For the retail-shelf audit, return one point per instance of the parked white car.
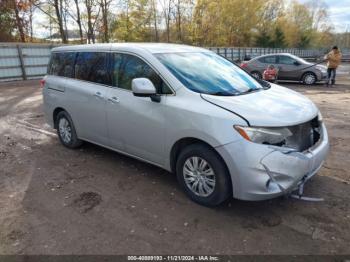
(189, 111)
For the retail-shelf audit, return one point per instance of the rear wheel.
(256, 74)
(203, 175)
(309, 78)
(66, 131)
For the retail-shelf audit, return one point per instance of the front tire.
(66, 131)
(203, 175)
(309, 78)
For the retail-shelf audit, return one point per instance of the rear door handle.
(113, 99)
(98, 94)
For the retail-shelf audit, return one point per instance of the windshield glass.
(208, 73)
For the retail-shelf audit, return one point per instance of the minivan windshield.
(208, 73)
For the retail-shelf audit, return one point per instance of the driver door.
(136, 124)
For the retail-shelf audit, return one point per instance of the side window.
(127, 67)
(62, 64)
(286, 60)
(268, 60)
(93, 67)
(54, 64)
(67, 64)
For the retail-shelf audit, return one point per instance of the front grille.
(304, 135)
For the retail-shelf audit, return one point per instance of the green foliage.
(279, 38)
(7, 22)
(263, 40)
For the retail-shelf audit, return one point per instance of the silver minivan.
(187, 110)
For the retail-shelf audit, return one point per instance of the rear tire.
(309, 78)
(66, 131)
(203, 175)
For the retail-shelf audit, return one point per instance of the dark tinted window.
(93, 67)
(286, 60)
(127, 67)
(268, 59)
(62, 64)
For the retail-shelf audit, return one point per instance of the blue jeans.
(331, 72)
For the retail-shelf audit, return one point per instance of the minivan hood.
(276, 106)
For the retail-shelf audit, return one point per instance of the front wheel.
(66, 131)
(203, 175)
(309, 79)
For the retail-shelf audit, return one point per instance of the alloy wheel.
(199, 176)
(65, 130)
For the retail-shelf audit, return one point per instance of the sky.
(339, 13)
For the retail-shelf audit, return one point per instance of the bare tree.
(105, 4)
(58, 9)
(19, 21)
(178, 18)
(167, 6)
(155, 19)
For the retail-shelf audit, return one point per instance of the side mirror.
(143, 87)
(296, 63)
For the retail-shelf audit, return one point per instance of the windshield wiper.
(222, 93)
(249, 91)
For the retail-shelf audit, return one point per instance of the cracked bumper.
(260, 172)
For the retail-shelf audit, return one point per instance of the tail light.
(244, 65)
(42, 83)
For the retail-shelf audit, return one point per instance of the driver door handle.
(98, 94)
(113, 99)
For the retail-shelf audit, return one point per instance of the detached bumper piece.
(298, 190)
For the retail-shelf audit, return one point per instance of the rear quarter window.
(268, 60)
(62, 64)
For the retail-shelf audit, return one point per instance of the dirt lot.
(94, 201)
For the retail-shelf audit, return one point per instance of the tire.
(66, 131)
(309, 78)
(212, 194)
(256, 74)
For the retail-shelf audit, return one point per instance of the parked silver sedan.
(290, 68)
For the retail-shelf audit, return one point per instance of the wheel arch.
(184, 142)
(308, 72)
(54, 115)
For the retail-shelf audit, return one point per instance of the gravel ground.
(94, 201)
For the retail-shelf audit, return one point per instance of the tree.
(263, 40)
(279, 38)
(7, 22)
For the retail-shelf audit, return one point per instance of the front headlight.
(270, 136)
(322, 69)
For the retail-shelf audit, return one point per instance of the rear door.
(265, 61)
(287, 70)
(87, 96)
(136, 123)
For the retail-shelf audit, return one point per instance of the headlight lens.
(322, 69)
(270, 136)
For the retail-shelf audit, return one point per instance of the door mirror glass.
(143, 87)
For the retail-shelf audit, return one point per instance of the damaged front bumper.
(260, 172)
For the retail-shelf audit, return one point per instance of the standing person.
(333, 59)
